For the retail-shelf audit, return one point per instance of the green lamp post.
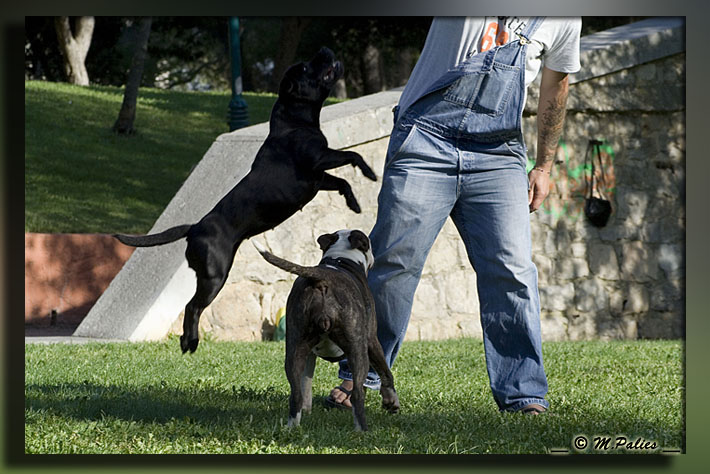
(237, 116)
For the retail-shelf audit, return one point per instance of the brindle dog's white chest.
(327, 348)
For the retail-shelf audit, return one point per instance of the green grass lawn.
(231, 397)
(82, 177)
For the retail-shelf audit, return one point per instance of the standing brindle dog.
(330, 313)
(295, 155)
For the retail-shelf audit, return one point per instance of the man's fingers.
(538, 191)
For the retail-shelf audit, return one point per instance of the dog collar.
(344, 265)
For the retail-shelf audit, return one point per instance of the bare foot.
(341, 397)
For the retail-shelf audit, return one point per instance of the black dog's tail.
(315, 273)
(150, 240)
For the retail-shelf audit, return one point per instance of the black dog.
(295, 155)
(330, 313)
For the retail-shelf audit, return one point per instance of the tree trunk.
(127, 114)
(75, 46)
(340, 90)
(371, 70)
(291, 30)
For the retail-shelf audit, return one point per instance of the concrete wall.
(625, 280)
(151, 290)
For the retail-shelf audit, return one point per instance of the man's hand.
(539, 188)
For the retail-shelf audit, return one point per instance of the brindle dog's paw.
(188, 344)
(390, 401)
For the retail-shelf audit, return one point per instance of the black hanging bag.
(597, 209)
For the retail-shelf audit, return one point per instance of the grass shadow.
(153, 404)
(233, 398)
(173, 414)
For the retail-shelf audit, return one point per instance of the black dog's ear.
(286, 87)
(359, 241)
(326, 240)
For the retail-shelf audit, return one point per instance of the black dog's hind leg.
(332, 183)
(211, 262)
(331, 159)
(207, 290)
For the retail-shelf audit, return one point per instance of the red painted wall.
(68, 272)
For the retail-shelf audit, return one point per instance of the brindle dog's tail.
(167, 236)
(318, 308)
(316, 273)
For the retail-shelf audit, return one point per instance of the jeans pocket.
(517, 148)
(400, 138)
(484, 92)
(496, 89)
(464, 89)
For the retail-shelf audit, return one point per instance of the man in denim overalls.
(457, 150)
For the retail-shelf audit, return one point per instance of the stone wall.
(623, 281)
(627, 279)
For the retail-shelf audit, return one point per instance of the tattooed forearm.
(550, 129)
(551, 115)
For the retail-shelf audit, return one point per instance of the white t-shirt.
(451, 40)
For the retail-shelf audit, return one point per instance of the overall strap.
(490, 57)
(530, 29)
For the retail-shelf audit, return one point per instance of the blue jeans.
(483, 187)
(458, 151)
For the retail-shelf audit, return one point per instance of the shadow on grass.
(235, 414)
(154, 404)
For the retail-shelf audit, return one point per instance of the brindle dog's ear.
(359, 241)
(326, 240)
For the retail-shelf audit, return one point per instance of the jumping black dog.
(295, 155)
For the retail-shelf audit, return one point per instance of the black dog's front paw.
(358, 161)
(367, 171)
(188, 344)
(353, 204)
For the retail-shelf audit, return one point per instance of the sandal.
(533, 409)
(330, 402)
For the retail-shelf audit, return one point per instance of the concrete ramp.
(151, 290)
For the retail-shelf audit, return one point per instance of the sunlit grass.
(82, 177)
(231, 397)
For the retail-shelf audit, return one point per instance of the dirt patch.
(64, 276)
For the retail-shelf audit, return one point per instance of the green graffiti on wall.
(570, 179)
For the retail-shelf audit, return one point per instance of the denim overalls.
(481, 99)
(458, 151)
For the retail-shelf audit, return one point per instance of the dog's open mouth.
(332, 72)
(329, 74)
